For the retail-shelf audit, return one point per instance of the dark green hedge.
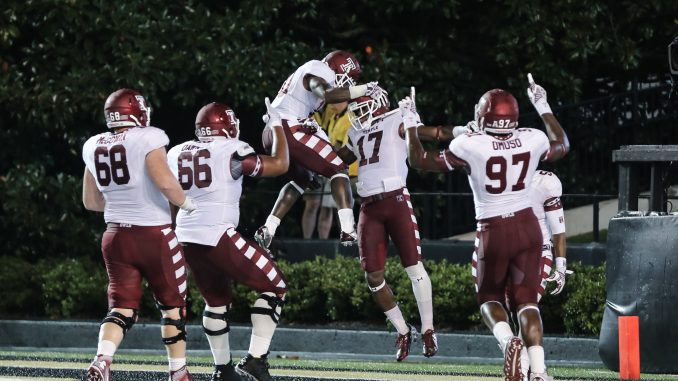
(321, 291)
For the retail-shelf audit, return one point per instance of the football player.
(211, 170)
(127, 178)
(332, 80)
(377, 142)
(500, 162)
(545, 193)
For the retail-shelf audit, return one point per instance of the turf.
(41, 365)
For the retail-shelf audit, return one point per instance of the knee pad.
(216, 316)
(179, 323)
(377, 288)
(297, 187)
(273, 302)
(124, 322)
(341, 174)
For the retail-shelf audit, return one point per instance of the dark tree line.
(60, 59)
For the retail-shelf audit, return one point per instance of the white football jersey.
(118, 163)
(381, 154)
(206, 172)
(294, 101)
(545, 194)
(501, 170)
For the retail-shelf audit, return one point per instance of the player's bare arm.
(329, 94)
(92, 198)
(417, 156)
(559, 245)
(560, 145)
(278, 163)
(162, 177)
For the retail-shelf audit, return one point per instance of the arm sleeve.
(555, 218)
(553, 207)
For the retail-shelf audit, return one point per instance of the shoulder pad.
(549, 183)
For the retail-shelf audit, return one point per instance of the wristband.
(357, 91)
(561, 264)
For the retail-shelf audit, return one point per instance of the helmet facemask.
(363, 111)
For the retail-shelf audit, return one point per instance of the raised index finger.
(412, 93)
(530, 79)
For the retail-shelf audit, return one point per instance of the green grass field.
(42, 366)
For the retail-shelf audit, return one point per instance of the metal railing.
(440, 215)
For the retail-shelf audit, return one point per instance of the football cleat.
(404, 342)
(254, 369)
(263, 237)
(225, 372)
(348, 239)
(429, 342)
(180, 375)
(100, 369)
(512, 370)
(540, 377)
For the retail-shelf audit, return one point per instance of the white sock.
(106, 348)
(176, 363)
(421, 286)
(536, 354)
(524, 362)
(221, 349)
(395, 316)
(272, 223)
(346, 220)
(263, 328)
(503, 333)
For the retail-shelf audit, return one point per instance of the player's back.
(382, 153)
(294, 101)
(203, 169)
(545, 194)
(118, 163)
(501, 170)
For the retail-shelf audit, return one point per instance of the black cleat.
(225, 372)
(254, 369)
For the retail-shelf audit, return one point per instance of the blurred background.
(603, 64)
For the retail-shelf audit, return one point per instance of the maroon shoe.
(512, 371)
(404, 342)
(429, 342)
(100, 369)
(348, 239)
(180, 375)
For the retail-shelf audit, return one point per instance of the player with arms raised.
(331, 80)
(211, 170)
(377, 142)
(127, 178)
(500, 161)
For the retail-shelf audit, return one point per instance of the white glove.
(188, 205)
(471, 126)
(370, 89)
(537, 96)
(408, 110)
(559, 274)
(272, 117)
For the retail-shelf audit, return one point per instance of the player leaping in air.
(331, 80)
(500, 162)
(377, 142)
